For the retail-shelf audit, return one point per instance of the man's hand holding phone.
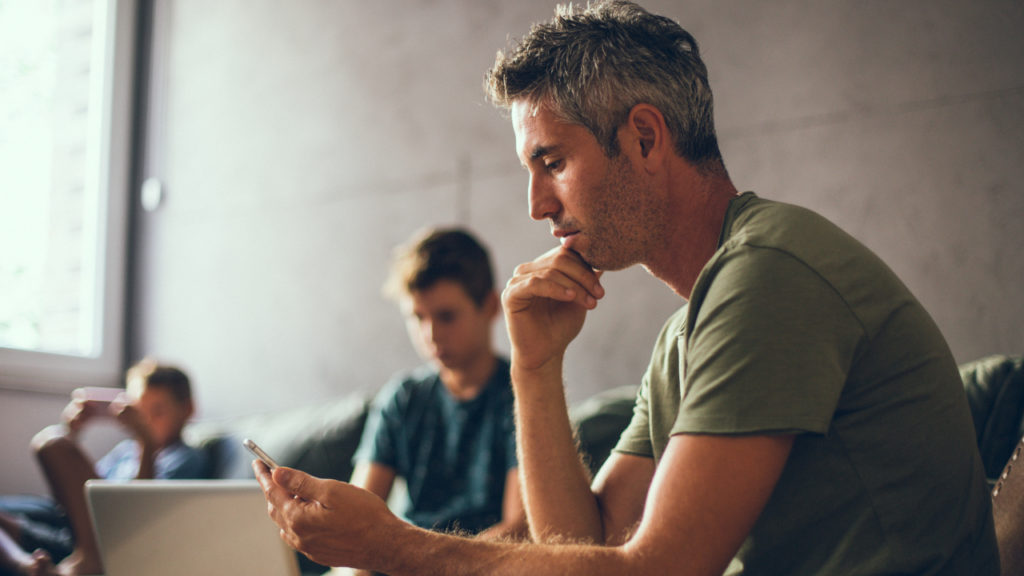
(333, 523)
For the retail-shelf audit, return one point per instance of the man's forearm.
(559, 503)
(505, 531)
(444, 555)
(339, 524)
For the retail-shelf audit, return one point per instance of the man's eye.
(553, 165)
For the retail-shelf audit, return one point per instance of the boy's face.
(163, 413)
(446, 326)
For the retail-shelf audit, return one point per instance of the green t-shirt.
(795, 327)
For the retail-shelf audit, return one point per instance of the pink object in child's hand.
(98, 398)
(97, 394)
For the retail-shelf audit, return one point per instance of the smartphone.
(259, 453)
(99, 398)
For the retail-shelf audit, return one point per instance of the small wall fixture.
(152, 194)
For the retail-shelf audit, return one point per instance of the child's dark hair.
(441, 254)
(151, 373)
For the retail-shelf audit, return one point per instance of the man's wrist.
(416, 547)
(426, 552)
(523, 374)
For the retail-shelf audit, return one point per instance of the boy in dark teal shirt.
(447, 427)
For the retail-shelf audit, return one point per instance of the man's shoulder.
(765, 233)
(673, 327)
(773, 224)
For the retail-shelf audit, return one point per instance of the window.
(65, 100)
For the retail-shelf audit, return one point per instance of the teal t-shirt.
(454, 455)
(793, 326)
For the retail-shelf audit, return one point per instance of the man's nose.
(543, 203)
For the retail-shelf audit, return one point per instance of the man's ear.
(646, 135)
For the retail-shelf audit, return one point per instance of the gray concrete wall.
(304, 139)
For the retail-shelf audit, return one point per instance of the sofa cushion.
(600, 420)
(319, 439)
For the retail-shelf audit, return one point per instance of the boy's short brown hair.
(433, 255)
(151, 373)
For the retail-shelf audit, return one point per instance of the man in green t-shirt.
(802, 414)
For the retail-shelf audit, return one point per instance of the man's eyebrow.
(543, 151)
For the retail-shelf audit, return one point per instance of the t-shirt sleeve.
(106, 466)
(384, 421)
(182, 463)
(636, 438)
(769, 350)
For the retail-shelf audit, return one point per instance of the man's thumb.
(297, 482)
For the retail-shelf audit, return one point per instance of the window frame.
(36, 371)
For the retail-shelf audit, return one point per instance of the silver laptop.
(193, 527)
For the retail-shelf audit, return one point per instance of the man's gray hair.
(592, 65)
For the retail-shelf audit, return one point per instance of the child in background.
(154, 409)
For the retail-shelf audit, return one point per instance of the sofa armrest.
(995, 393)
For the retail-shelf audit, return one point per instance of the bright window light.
(51, 94)
(66, 97)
